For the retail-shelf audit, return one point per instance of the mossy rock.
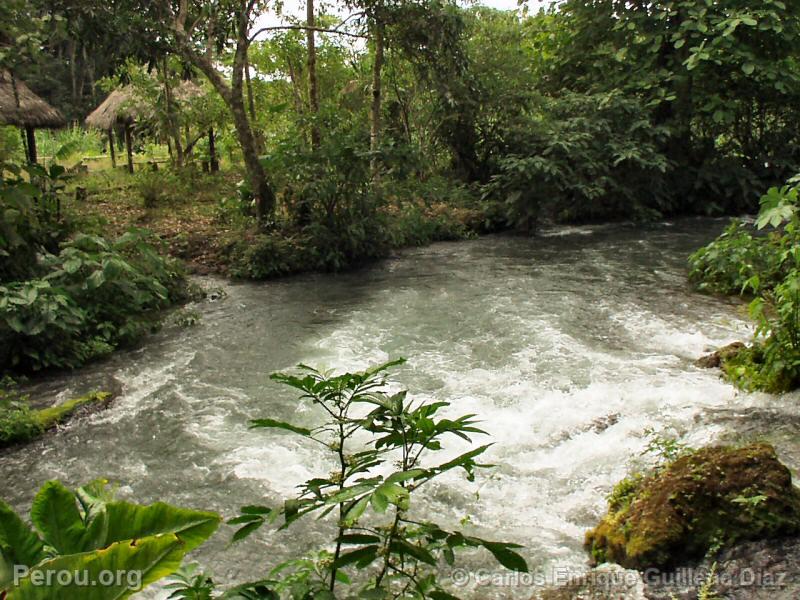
(22, 424)
(716, 359)
(708, 499)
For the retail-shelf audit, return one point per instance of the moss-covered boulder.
(716, 359)
(707, 499)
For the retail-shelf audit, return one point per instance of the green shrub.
(270, 255)
(739, 260)
(581, 157)
(92, 297)
(768, 266)
(18, 423)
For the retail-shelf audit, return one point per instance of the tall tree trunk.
(233, 95)
(375, 112)
(251, 103)
(172, 125)
(313, 89)
(73, 71)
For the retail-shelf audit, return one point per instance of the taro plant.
(382, 445)
(79, 537)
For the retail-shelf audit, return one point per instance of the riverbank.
(203, 221)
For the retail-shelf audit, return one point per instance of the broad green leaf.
(505, 556)
(131, 565)
(55, 514)
(19, 544)
(402, 547)
(352, 516)
(128, 521)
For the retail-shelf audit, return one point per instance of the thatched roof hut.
(120, 106)
(19, 106)
(123, 107)
(23, 108)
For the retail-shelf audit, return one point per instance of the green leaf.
(379, 502)
(355, 512)
(139, 562)
(748, 68)
(505, 556)
(19, 544)
(128, 521)
(402, 547)
(273, 424)
(395, 494)
(359, 555)
(248, 529)
(55, 514)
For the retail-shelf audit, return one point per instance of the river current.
(569, 346)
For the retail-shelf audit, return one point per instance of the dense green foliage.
(91, 297)
(18, 423)
(766, 265)
(85, 533)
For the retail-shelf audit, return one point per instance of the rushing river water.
(569, 346)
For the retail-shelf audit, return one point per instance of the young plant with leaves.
(768, 267)
(379, 545)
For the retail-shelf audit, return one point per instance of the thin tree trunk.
(73, 71)
(233, 95)
(129, 146)
(313, 90)
(251, 103)
(111, 150)
(172, 126)
(375, 112)
(24, 142)
(212, 151)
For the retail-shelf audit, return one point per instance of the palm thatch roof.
(21, 107)
(121, 106)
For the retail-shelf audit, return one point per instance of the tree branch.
(306, 28)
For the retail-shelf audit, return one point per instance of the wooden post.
(212, 151)
(111, 147)
(129, 146)
(31, 138)
(24, 142)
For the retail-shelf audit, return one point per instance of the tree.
(313, 89)
(722, 75)
(199, 40)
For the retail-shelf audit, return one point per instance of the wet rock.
(766, 569)
(602, 583)
(715, 359)
(715, 497)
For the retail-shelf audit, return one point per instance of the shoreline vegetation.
(20, 424)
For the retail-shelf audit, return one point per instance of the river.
(569, 346)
